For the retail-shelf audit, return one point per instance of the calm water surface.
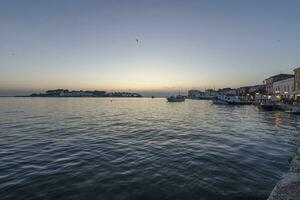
(95, 148)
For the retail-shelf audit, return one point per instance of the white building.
(284, 87)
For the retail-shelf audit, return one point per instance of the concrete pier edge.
(288, 188)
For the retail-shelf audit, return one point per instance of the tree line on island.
(81, 93)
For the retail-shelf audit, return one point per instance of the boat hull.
(239, 103)
(220, 102)
(223, 102)
(175, 100)
(267, 107)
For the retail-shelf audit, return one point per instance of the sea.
(141, 148)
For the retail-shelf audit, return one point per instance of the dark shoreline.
(74, 97)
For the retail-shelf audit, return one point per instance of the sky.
(89, 44)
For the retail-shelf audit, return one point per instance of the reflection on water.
(277, 119)
(89, 148)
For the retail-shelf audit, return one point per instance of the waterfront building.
(284, 88)
(297, 83)
(211, 92)
(192, 94)
(269, 81)
(57, 92)
(242, 91)
(251, 92)
(257, 89)
(197, 94)
(227, 91)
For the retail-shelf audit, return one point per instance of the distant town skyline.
(149, 47)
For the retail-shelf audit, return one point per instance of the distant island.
(81, 93)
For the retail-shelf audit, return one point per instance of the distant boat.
(178, 98)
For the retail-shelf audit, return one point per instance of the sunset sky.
(182, 45)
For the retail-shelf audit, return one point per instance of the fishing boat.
(178, 98)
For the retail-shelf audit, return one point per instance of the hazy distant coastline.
(81, 93)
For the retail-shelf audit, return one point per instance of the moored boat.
(178, 98)
(220, 102)
(230, 100)
(267, 105)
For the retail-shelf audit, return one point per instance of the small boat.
(267, 105)
(177, 98)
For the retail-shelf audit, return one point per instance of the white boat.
(230, 100)
(177, 98)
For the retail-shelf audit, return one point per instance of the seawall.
(288, 188)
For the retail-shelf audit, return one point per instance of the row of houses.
(249, 91)
(284, 86)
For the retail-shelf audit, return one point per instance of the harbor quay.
(278, 92)
(289, 185)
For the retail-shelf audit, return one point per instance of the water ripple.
(93, 148)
